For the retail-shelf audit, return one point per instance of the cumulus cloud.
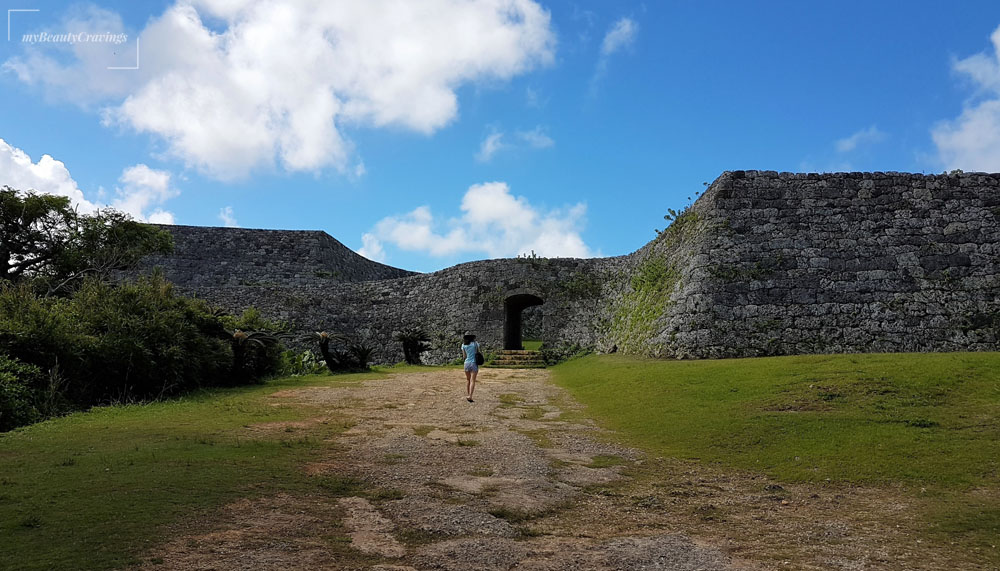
(47, 176)
(496, 142)
(266, 84)
(227, 217)
(972, 141)
(142, 192)
(371, 248)
(493, 222)
(860, 138)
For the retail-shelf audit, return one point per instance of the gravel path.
(514, 480)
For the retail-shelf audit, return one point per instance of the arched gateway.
(513, 306)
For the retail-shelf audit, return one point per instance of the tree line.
(74, 332)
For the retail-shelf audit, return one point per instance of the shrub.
(19, 384)
(361, 354)
(115, 343)
(256, 345)
(564, 352)
(352, 355)
(304, 363)
(415, 341)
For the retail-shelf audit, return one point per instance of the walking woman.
(470, 347)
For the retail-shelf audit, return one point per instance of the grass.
(928, 422)
(849, 418)
(423, 430)
(531, 344)
(605, 461)
(508, 400)
(94, 490)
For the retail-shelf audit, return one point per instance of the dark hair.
(469, 338)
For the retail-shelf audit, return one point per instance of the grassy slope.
(852, 418)
(92, 490)
(927, 420)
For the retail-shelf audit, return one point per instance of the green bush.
(19, 384)
(125, 342)
(115, 343)
(256, 344)
(304, 363)
(146, 343)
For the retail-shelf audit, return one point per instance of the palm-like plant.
(362, 353)
(415, 341)
(245, 343)
(332, 360)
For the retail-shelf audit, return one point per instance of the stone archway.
(513, 306)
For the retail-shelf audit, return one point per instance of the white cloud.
(47, 176)
(621, 35)
(371, 248)
(273, 84)
(360, 170)
(493, 222)
(536, 138)
(972, 141)
(142, 189)
(142, 192)
(77, 71)
(489, 147)
(228, 218)
(860, 138)
(495, 142)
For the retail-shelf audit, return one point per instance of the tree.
(43, 239)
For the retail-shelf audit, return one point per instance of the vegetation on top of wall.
(682, 224)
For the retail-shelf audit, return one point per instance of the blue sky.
(427, 134)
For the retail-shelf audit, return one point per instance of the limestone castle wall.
(763, 263)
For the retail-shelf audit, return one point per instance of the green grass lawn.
(92, 490)
(930, 421)
(531, 344)
(851, 418)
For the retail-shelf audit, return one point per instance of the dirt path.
(506, 482)
(521, 480)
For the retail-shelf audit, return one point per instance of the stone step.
(518, 359)
(521, 366)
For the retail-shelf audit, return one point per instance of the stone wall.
(770, 264)
(762, 264)
(241, 257)
(467, 297)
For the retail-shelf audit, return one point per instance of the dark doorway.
(513, 307)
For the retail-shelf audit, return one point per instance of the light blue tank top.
(470, 352)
